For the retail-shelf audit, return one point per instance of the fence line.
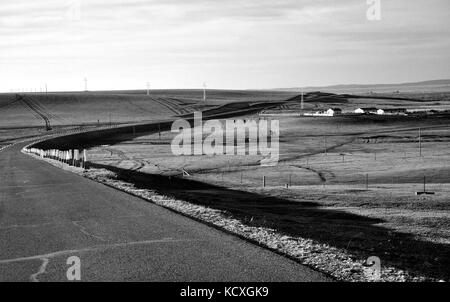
(74, 157)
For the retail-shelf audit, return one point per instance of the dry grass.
(121, 107)
(327, 202)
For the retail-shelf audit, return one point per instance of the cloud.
(205, 38)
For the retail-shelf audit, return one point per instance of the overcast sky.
(122, 44)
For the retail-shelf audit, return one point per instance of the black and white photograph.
(219, 148)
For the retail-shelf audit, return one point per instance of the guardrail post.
(81, 159)
(76, 158)
(85, 158)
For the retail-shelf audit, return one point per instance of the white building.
(392, 111)
(369, 110)
(329, 112)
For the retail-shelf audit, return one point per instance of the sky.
(230, 44)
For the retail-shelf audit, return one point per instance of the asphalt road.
(48, 215)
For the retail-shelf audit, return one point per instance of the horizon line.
(239, 89)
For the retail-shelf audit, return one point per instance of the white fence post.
(85, 158)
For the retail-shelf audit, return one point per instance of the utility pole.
(204, 92)
(46, 88)
(420, 142)
(85, 85)
(302, 100)
(148, 88)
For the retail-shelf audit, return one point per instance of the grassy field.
(121, 106)
(91, 109)
(352, 183)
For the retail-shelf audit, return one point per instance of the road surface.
(48, 215)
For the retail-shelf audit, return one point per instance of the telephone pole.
(420, 142)
(302, 107)
(204, 92)
(85, 84)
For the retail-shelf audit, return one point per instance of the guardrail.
(83, 139)
(75, 157)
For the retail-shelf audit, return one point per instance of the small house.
(392, 111)
(334, 111)
(368, 110)
(329, 112)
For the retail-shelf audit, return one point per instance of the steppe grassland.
(326, 161)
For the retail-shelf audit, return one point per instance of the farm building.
(334, 111)
(369, 110)
(392, 111)
(329, 112)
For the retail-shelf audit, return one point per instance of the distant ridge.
(432, 85)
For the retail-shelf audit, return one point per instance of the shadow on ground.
(362, 236)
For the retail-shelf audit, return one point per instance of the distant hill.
(424, 86)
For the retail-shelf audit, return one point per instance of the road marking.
(96, 248)
(18, 226)
(42, 268)
(84, 231)
(108, 219)
(42, 185)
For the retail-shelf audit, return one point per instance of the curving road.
(48, 215)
